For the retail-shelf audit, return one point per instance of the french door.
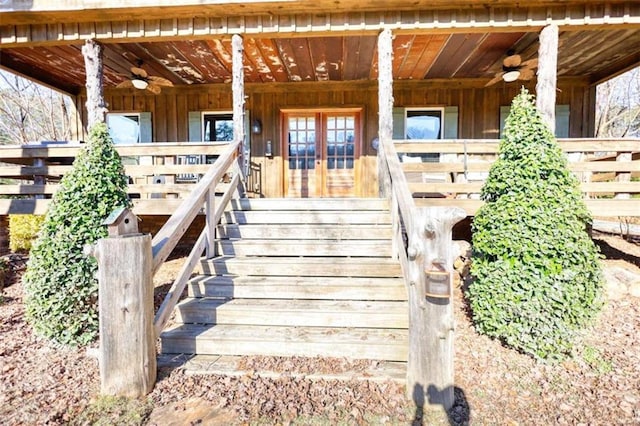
(322, 150)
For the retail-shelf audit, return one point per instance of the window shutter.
(504, 113)
(450, 122)
(562, 121)
(195, 126)
(398, 123)
(146, 128)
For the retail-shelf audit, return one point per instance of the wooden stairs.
(297, 277)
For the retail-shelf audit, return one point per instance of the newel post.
(127, 352)
(431, 320)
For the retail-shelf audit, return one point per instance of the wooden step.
(302, 266)
(273, 204)
(281, 312)
(236, 366)
(349, 288)
(306, 232)
(354, 248)
(381, 344)
(307, 217)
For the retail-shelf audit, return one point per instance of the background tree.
(30, 112)
(537, 275)
(618, 106)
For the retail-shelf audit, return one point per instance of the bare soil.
(41, 383)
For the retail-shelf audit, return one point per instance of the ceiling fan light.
(138, 83)
(510, 76)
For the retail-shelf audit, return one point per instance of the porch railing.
(160, 174)
(452, 172)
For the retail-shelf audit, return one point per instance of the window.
(124, 128)
(424, 124)
(217, 127)
(130, 128)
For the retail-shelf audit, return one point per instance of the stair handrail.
(394, 186)
(174, 229)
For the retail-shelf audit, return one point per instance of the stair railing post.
(430, 381)
(210, 208)
(127, 353)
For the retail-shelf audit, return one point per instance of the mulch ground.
(44, 384)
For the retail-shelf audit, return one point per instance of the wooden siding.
(479, 114)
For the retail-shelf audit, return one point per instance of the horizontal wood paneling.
(479, 114)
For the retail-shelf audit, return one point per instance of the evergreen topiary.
(60, 282)
(537, 275)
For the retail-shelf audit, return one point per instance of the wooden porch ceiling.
(590, 54)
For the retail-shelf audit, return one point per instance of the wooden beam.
(385, 85)
(237, 84)
(547, 75)
(37, 28)
(96, 105)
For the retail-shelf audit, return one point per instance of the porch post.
(237, 87)
(547, 75)
(385, 101)
(96, 106)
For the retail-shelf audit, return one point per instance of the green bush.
(537, 275)
(23, 230)
(60, 284)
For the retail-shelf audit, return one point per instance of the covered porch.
(320, 70)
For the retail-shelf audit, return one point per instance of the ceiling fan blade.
(125, 84)
(512, 61)
(494, 80)
(139, 71)
(154, 89)
(526, 74)
(160, 81)
(531, 63)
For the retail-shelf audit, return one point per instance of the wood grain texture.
(547, 75)
(307, 288)
(127, 341)
(298, 313)
(430, 373)
(383, 344)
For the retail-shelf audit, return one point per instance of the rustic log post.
(237, 87)
(4, 235)
(385, 102)
(623, 176)
(96, 106)
(547, 75)
(127, 340)
(430, 380)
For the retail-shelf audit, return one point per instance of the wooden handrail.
(490, 146)
(168, 236)
(9, 152)
(173, 295)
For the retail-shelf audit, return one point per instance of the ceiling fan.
(140, 79)
(514, 69)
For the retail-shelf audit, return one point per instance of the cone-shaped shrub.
(60, 284)
(537, 275)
